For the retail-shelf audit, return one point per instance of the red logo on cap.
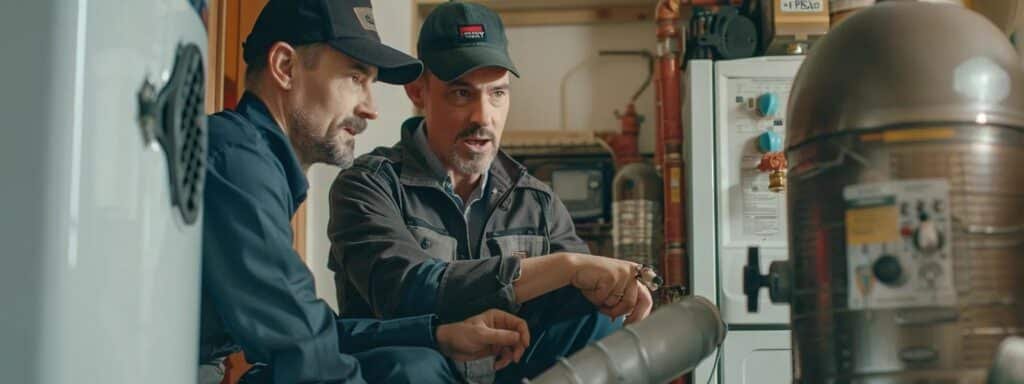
(472, 32)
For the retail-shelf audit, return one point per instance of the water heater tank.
(102, 156)
(906, 198)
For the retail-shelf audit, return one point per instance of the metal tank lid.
(906, 63)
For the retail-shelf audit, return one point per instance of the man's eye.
(500, 93)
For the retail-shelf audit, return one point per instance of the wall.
(394, 23)
(544, 55)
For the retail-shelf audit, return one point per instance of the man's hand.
(492, 333)
(640, 308)
(612, 286)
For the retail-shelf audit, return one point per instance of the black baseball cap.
(345, 25)
(459, 37)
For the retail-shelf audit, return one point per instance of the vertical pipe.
(670, 139)
(668, 149)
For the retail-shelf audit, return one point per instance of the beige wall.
(543, 56)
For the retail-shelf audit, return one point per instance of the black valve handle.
(753, 280)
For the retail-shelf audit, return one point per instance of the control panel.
(898, 245)
(750, 213)
(755, 125)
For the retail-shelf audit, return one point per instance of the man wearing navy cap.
(311, 64)
(446, 223)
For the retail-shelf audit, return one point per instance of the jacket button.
(425, 243)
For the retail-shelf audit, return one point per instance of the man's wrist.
(570, 263)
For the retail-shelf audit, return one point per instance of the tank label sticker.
(872, 221)
(802, 6)
(752, 211)
(762, 209)
(636, 222)
(898, 251)
(634, 231)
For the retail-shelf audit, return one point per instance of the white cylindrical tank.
(99, 273)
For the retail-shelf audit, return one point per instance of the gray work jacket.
(400, 244)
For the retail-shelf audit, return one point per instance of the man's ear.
(281, 63)
(417, 91)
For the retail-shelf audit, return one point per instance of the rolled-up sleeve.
(374, 251)
(358, 335)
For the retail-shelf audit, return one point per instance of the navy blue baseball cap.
(345, 25)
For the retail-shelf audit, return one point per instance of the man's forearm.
(543, 274)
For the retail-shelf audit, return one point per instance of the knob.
(927, 238)
(769, 141)
(888, 270)
(767, 104)
(753, 280)
(778, 280)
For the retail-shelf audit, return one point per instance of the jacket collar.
(256, 112)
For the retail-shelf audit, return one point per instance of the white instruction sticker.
(803, 6)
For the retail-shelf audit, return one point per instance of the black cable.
(714, 367)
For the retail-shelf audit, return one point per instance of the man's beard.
(473, 163)
(332, 148)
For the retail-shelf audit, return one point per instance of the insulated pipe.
(669, 343)
(668, 151)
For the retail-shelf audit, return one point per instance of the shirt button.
(425, 243)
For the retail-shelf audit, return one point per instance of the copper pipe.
(623, 144)
(668, 152)
(669, 44)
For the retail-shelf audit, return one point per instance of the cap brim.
(452, 64)
(394, 66)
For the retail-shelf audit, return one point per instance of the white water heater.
(102, 155)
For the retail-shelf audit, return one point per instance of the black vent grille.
(183, 132)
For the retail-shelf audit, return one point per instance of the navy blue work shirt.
(257, 294)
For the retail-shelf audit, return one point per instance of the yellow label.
(902, 135)
(924, 134)
(868, 137)
(872, 225)
(675, 175)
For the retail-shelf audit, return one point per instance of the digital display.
(571, 185)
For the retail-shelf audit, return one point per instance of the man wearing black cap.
(311, 65)
(446, 223)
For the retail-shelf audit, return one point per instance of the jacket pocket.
(522, 246)
(438, 245)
